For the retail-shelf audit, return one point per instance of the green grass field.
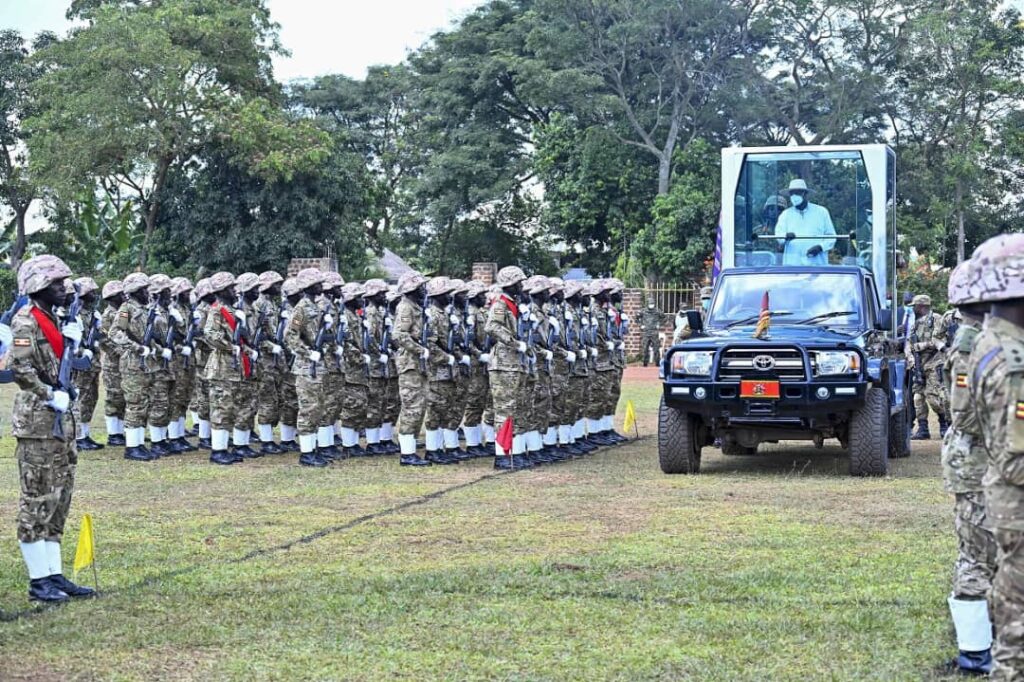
(762, 568)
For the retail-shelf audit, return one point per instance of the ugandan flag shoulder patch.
(22, 342)
(124, 313)
(1020, 409)
(961, 381)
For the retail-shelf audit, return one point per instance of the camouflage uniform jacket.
(35, 365)
(201, 354)
(408, 331)
(327, 306)
(578, 328)
(963, 456)
(438, 326)
(129, 330)
(930, 332)
(599, 319)
(111, 352)
(160, 324)
(374, 317)
(219, 338)
(356, 370)
(476, 319)
(618, 325)
(501, 327)
(389, 322)
(650, 320)
(996, 372)
(300, 335)
(559, 343)
(541, 325)
(91, 316)
(180, 332)
(271, 313)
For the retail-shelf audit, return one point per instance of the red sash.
(511, 305)
(233, 323)
(50, 331)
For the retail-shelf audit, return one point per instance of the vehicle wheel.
(869, 436)
(735, 449)
(679, 442)
(899, 432)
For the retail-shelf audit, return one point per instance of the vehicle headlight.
(695, 363)
(828, 363)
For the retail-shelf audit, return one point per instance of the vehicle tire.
(899, 432)
(869, 436)
(679, 443)
(735, 449)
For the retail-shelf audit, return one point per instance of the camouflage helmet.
(269, 279)
(134, 282)
(459, 286)
(535, 284)
(922, 299)
(219, 282)
(998, 274)
(202, 288)
(410, 281)
(393, 294)
(159, 283)
(332, 280)
(572, 288)
(705, 292)
(247, 281)
(510, 275)
(37, 273)
(439, 286)
(309, 277)
(180, 285)
(474, 288)
(351, 291)
(372, 287)
(69, 286)
(958, 290)
(291, 287)
(112, 288)
(555, 284)
(615, 285)
(86, 285)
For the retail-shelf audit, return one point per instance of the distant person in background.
(799, 224)
(683, 330)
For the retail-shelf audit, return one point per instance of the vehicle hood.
(803, 335)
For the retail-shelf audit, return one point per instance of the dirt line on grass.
(274, 549)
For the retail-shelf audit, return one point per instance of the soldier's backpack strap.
(965, 337)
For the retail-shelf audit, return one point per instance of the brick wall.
(485, 272)
(632, 305)
(325, 264)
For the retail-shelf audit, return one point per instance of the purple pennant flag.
(716, 266)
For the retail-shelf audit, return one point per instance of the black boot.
(71, 589)
(413, 461)
(222, 457)
(312, 459)
(977, 663)
(332, 453)
(514, 463)
(204, 444)
(136, 455)
(290, 446)
(174, 447)
(184, 445)
(922, 431)
(160, 449)
(194, 431)
(439, 457)
(44, 590)
(88, 443)
(458, 454)
(116, 440)
(246, 452)
(271, 448)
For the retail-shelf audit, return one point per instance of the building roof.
(576, 274)
(392, 265)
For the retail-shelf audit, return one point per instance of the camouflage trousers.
(477, 390)
(440, 397)
(269, 396)
(136, 387)
(309, 394)
(201, 395)
(561, 411)
(975, 562)
(182, 393)
(540, 404)
(650, 348)
(393, 403)
(354, 398)
(88, 385)
(161, 386)
(616, 391)
(46, 467)
(457, 407)
(507, 394)
(113, 403)
(376, 401)
(578, 396)
(245, 403)
(1007, 603)
(289, 402)
(602, 384)
(412, 390)
(333, 397)
(223, 403)
(932, 394)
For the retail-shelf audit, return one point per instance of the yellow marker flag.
(629, 422)
(86, 544)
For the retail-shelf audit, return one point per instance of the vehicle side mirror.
(695, 321)
(885, 319)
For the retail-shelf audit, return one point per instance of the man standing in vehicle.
(800, 224)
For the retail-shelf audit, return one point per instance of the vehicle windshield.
(831, 299)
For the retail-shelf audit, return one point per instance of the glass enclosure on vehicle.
(832, 299)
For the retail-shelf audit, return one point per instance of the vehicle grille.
(738, 363)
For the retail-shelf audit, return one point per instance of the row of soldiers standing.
(324, 362)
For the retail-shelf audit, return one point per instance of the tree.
(17, 74)
(139, 89)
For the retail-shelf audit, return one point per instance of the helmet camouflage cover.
(998, 273)
(135, 281)
(37, 273)
(247, 281)
(410, 281)
(220, 281)
(510, 275)
(112, 288)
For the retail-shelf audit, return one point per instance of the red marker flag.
(504, 437)
(764, 320)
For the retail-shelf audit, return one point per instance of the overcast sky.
(324, 36)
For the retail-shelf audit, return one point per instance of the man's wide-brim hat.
(797, 185)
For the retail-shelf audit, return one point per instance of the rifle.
(551, 340)
(261, 332)
(64, 381)
(279, 332)
(918, 376)
(425, 333)
(169, 339)
(193, 332)
(453, 340)
(318, 345)
(571, 337)
(521, 332)
(7, 375)
(361, 314)
(147, 336)
(341, 335)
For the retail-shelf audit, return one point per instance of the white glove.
(465, 360)
(275, 349)
(236, 350)
(6, 337)
(522, 346)
(485, 358)
(548, 355)
(454, 319)
(568, 316)
(196, 316)
(328, 321)
(166, 354)
(555, 325)
(470, 322)
(593, 353)
(314, 356)
(240, 316)
(97, 316)
(594, 322)
(186, 351)
(425, 355)
(146, 351)
(367, 359)
(285, 314)
(525, 314)
(339, 351)
(388, 322)
(73, 331)
(451, 360)
(59, 401)
(176, 314)
(86, 353)
(570, 356)
(625, 318)
(367, 325)
(525, 308)
(383, 358)
(620, 345)
(610, 345)
(254, 354)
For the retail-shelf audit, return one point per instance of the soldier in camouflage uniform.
(441, 386)
(476, 388)
(507, 369)
(333, 387)
(603, 379)
(460, 373)
(539, 445)
(136, 364)
(393, 403)
(305, 324)
(928, 342)
(377, 334)
(87, 381)
(225, 368)
(161, 379)
(618, 323)
(413, 356)
(113, 404)
(182, 367)
(651, 320)
(247, 289)
(355, 362)
(562, 368)
(289, 399)
(46, 462)
(682, 330)
(963, 465)
(201, 391)
(271, 367)
(577, 323)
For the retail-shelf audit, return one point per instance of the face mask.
(705, 304)
(796, 200)
(650, 306)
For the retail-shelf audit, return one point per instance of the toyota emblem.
(764, 362)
